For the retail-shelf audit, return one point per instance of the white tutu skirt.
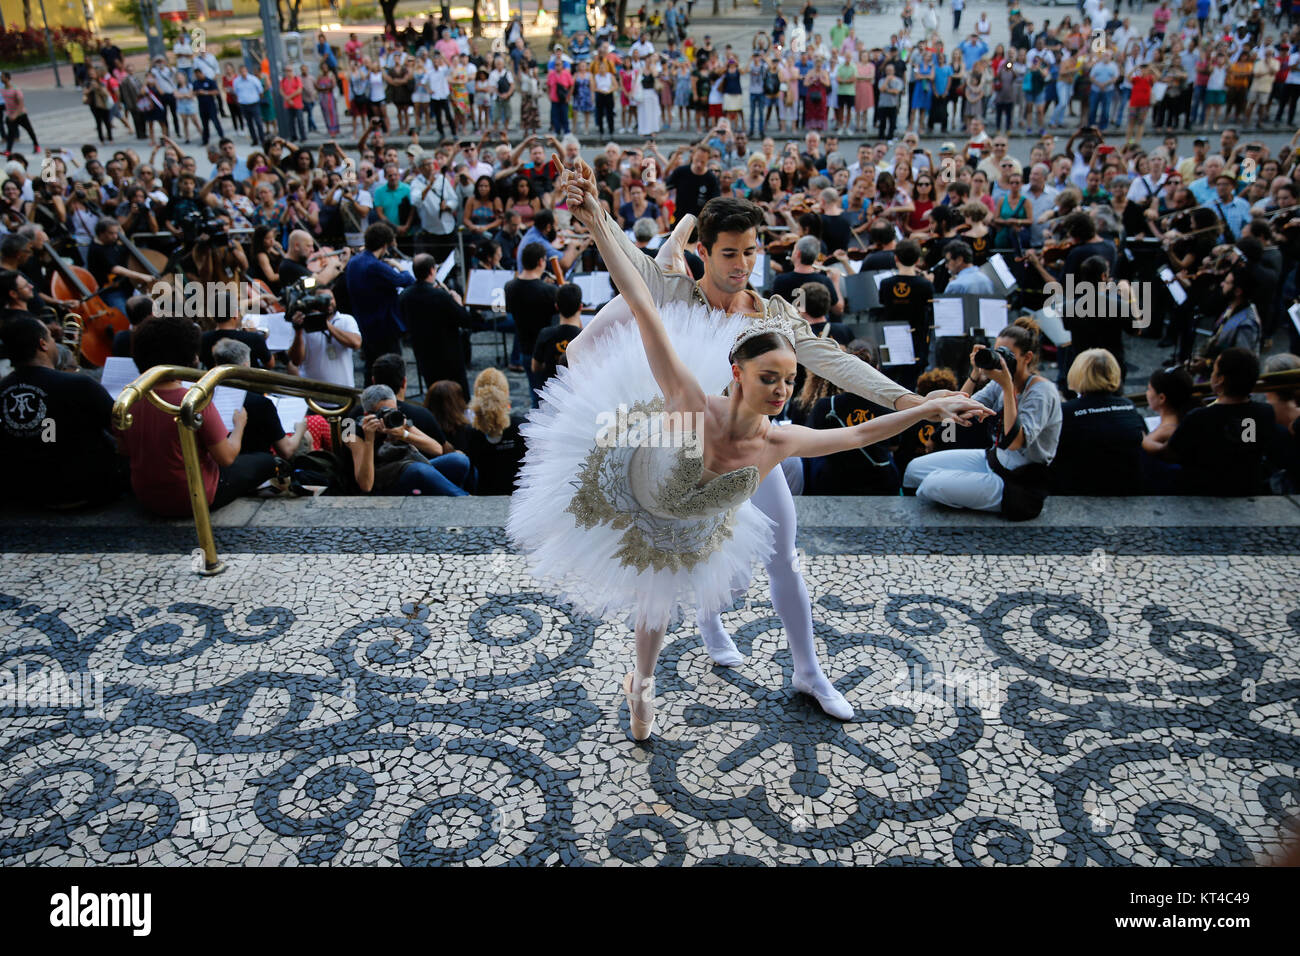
(578, 512)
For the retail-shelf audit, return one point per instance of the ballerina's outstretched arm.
(814, 442)
(682, 391)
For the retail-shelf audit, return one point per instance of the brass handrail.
(189, 418)
(1287, 378)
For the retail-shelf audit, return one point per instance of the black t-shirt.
(122, 344)
(435, 320)
(858, 471)
(881, 260)
(497, 463)
(264, 428)
(290, 272)
(1100, 451)
(417, 415)
(786, 283)
(255, 341)
(907, 299)
(692, 191)
(552, 342)
(837, 234)
(54, 435)
(101, 259)
(531, 302)
(1074, 258)
(1223, 448)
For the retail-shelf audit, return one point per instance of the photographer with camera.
(324, 339)
(390, 456)
(1011, 477)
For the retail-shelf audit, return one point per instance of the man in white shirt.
(326, 356)
(435, 201)
(642, 47)
(184, 55)
(474, 164)
(248, 93)
(440, 92)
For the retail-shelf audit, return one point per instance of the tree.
(27, 13)
(476, 24)
(294, 7)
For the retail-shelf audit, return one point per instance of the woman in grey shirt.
(1012, 476)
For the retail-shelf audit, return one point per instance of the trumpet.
(72, 326)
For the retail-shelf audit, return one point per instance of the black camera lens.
(393, 418)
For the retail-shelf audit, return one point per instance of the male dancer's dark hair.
(727, 214)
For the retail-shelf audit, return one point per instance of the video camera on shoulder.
(201, 224)
(305, 307)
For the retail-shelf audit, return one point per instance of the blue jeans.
(757, 109)
(1100, 105)
(1119, 99)
(560, 118)
(1062, 103)
(445, 475)
(534, 383)
(1197, 115)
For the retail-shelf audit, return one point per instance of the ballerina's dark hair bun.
(759, 345)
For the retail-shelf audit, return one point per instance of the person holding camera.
(390, 456)
(324, 342)
(1012, 476)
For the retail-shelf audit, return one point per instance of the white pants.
(959, 478)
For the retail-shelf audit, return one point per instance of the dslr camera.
(986, 358)
(199, 223)
(306, 307)
(391, 417)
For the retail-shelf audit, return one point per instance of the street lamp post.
(49, 45)
(274, 46)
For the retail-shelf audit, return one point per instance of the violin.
(99, 321)
(1055, 250)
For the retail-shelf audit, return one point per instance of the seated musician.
(1081, 233)
(907, 297)
(229, 325)
(883, 239)
(82, 466)
(18, 301)
(804, 259)
(106, 262)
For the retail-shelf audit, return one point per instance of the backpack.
(321, 467)
(771, 83)
(816, 96)
(561, 93)
(503, 84)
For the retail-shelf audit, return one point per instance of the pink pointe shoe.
(641, 729)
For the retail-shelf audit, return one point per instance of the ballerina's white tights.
(789, 594)
(789, 598)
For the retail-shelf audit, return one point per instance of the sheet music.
(483, 286)
(898, 340)
(948, 318)
(880, 277)
(1177, 291)
(1004, 273)
(444, 270)
(993, 315)
(596, 288)
(226, 400)
(656, 241)
(291, 409)
(1294, 312)
(279, 333)
(119, 372)
(855, 266)
(759, 272)
(1049, 320)
(1153, 422)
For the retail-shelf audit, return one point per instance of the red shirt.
(157, 465)
(1141, 95)
(291, 90)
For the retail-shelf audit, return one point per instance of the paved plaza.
(370, 684)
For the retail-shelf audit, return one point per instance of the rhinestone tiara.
(764, 326)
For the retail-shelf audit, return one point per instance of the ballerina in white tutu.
(633, 498)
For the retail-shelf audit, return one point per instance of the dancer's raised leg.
(790, 596)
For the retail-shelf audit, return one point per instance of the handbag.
(1158, 91)
(1024, 489)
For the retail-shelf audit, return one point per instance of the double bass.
(99, 321)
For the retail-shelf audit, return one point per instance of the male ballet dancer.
(728, 244)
